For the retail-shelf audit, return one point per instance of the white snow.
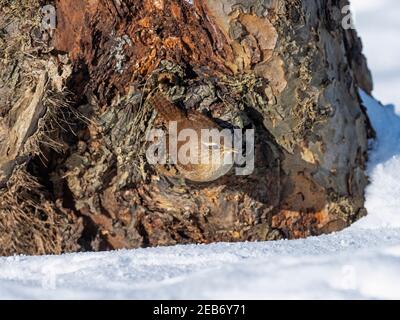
(383, 194)
(351, 264)
(361, 262)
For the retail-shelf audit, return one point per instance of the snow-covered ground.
(360, 262)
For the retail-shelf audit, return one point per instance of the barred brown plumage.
(206, 166)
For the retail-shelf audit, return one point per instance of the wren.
(210, 159)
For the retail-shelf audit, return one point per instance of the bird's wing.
(200, 119)
(166, 108)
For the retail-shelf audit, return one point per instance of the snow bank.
(383, 194)
(351, 264)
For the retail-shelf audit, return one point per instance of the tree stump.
(75, 126)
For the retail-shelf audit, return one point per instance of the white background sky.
(378, 24)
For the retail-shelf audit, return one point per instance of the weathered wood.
(284, 68)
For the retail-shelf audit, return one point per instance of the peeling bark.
(284, 68)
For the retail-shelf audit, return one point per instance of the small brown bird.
(211, 158)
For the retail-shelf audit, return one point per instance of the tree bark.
(284, 68)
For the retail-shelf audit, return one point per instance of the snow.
(361, 262)
(351, 264)
(383, 194)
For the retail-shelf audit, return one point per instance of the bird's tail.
(165, 107)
